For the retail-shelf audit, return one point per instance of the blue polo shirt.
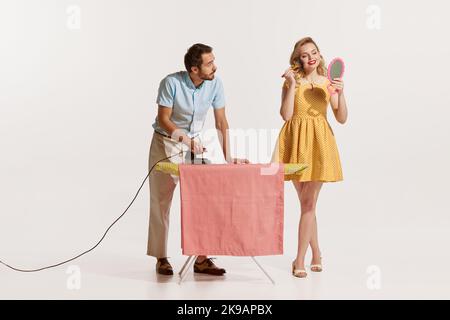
(190, 104)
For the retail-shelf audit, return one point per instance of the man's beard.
(207, 77)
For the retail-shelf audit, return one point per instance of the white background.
(77, 107)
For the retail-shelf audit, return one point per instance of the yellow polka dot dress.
(308, 138)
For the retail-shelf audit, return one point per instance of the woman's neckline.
(313, 83)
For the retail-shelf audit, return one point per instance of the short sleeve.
(166, 93)
(219, 95)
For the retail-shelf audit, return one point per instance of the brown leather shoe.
(163, 267)
(208, 267)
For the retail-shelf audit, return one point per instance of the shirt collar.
(189, 82)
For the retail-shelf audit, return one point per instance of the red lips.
(311, 62)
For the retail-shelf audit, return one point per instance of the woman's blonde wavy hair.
(296, 63)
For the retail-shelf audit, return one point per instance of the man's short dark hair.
(193, 57)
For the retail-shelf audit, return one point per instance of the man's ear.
(194, 70)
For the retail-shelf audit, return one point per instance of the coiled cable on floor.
(107, 230)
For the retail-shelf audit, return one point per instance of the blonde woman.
(306, 137)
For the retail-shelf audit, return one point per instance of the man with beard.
(183, 101)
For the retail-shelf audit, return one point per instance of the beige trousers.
(162, 186)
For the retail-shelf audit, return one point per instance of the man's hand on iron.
(196, 147)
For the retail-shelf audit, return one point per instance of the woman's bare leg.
(314, 243)
(308, 193)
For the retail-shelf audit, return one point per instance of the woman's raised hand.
(338, 85)
(289, 76)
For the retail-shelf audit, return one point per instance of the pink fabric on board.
(232, 209)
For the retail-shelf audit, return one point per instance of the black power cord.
(81, 254)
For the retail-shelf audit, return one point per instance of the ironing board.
(173, 169)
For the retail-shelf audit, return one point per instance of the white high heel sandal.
(316, 267)
(299, 273)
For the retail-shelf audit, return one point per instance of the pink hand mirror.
(335, 70)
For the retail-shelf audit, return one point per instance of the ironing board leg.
(267, 275)
(186, 266)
